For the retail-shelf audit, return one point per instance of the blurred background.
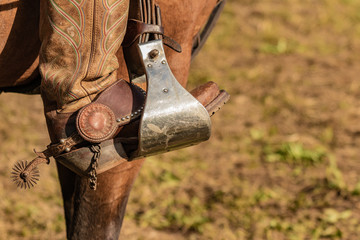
(283, 160)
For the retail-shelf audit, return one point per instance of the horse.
(92, 214)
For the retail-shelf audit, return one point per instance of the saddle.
(149, 115)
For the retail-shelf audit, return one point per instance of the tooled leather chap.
(77, 57)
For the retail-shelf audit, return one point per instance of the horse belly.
(19, 42)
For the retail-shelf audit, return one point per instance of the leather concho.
(110, 111)
(96, 122)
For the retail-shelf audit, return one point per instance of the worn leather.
(121, 98)
(136, 28)
(79, 43)
(206, 93)
(60, 125)
(110, 111)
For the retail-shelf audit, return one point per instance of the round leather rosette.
(96, 122)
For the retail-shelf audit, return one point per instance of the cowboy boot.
(79, 43)
(77, 56)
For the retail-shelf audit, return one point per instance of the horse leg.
(97, 214)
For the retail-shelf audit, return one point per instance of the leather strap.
(171, 43)
(136, 28)
(203, 35)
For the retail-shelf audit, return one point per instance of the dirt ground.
(282, 162)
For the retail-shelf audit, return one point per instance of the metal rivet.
(163, 61)
(142, 108)
(118, 120)
(62, 141)
(122, 119)
(67, 149)
(135, 113)
(127, 117)
(165, 90)
(154, 53)
(132, 114)
(149, 66)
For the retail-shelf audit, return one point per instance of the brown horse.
(92, 214)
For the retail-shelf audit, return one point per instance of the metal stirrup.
(172, 117)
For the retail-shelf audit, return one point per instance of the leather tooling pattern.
(73, 35)
(108, 27)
